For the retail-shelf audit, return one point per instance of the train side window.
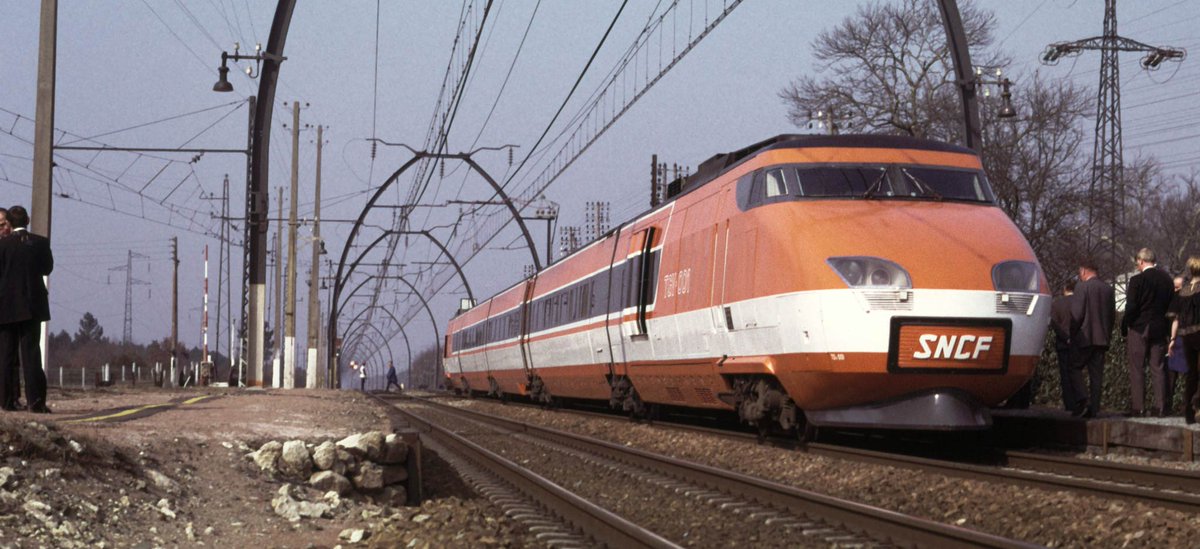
(743, 191)
(756, 189)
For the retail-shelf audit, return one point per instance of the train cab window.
(950, 184)
(839, 181)
(774, 183)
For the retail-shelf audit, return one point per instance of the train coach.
(849, 281)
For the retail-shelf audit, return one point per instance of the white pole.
(60, 377)
(204, 326)
(83, 379)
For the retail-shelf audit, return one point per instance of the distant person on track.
(25, 258)
(392, 379)
(362, 377)
(1145, 327)
(1185, 325)
(1093, 309)
(1060, 322)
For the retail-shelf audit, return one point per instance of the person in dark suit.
(24, 304)
(1060, 322)
(1093, 309)
(10, 379)
(1147, 298)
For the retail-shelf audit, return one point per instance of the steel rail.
(1142, 475)
(1048, 480)
(1084, 476)
(878, 522)
(599, 523)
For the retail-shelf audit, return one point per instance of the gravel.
(1051, 518)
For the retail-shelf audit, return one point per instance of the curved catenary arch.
(256, 248)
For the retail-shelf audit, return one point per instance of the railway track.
(1158, 486)
(748, 505)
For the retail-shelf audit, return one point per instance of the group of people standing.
(25, 259)
(1161, 320)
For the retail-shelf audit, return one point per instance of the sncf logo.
(951, 347)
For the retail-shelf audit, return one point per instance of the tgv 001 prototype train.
(852, 281)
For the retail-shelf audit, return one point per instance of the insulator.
(510, 156)
(443, 169)
(374, 146)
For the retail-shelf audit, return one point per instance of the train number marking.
(837, 356)
(950, 347)
(677, 283)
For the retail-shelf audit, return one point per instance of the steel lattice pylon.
(1106, 204)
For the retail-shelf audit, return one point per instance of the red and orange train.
(862, 281)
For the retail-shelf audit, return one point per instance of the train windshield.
(880, 182)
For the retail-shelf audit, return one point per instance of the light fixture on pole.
(1006, 106)
(223, 84)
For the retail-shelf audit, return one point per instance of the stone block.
(325, 456)
(369, 476)
(364, 445)
(295, 460)
(329, 481)
(395, 450)
(267, 457)
(394, 474)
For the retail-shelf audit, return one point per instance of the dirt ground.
(180, 476)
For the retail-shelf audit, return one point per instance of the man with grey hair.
(1145, 327)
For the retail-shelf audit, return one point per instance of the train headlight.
(870, 272)
(1016, 276)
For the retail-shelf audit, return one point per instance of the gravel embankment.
(1051, 518)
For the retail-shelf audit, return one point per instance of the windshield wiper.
(922, 186)
(878, 184)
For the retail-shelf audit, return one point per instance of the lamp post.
(254, 294)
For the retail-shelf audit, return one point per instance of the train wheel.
(807, 432)
(763, 431)
(653, 413)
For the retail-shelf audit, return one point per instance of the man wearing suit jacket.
(1060, 322)
(1145, 326)
(10, 381)
(1093, 309)
(24, 304)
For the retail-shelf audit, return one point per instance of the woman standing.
(1185, 314)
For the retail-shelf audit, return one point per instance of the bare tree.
(889, 68)
(1037, 169)
(1167, 218)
